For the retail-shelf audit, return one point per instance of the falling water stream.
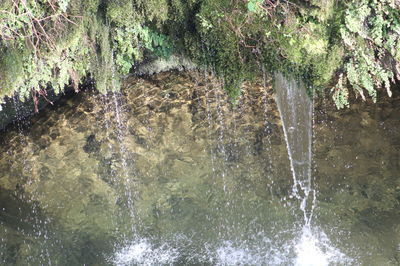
(296, 111)
(168, 172)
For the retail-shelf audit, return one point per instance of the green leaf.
(251, 7)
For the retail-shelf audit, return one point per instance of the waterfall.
(296, 110)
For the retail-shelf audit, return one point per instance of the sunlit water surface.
(170, 173)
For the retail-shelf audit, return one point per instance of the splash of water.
(142, 252)
(180, 248)
(310, 251)
(315, 249)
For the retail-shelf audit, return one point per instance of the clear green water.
(170, 174)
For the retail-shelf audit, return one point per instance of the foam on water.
(230, 253)
(310, 249)
(142, 252)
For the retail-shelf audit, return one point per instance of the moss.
(236, 40)
(222, 48)
(121, 12)
(325, 68)
(153, 11)
(104, 70)
(11, 70)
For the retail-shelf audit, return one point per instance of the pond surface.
(170, 173)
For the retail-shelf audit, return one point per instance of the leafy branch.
(38, 23)
(371, 36)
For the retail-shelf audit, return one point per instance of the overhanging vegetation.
(345, 46)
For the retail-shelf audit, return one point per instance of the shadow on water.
(16, 211)
(31, 238)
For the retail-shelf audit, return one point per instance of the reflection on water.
(169, 173)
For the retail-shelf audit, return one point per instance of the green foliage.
(340, 94)
(127, 13)
(121, 12)
(318, 40)
(353, 44)
(11, 70)
(38, 23)
(254, 6)
(125, 49)
(47, 51)
(370, 35)
(237, 37)
(130, 37)
(81, 38)
(222, 47)
(104, 71)
(130, 43)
